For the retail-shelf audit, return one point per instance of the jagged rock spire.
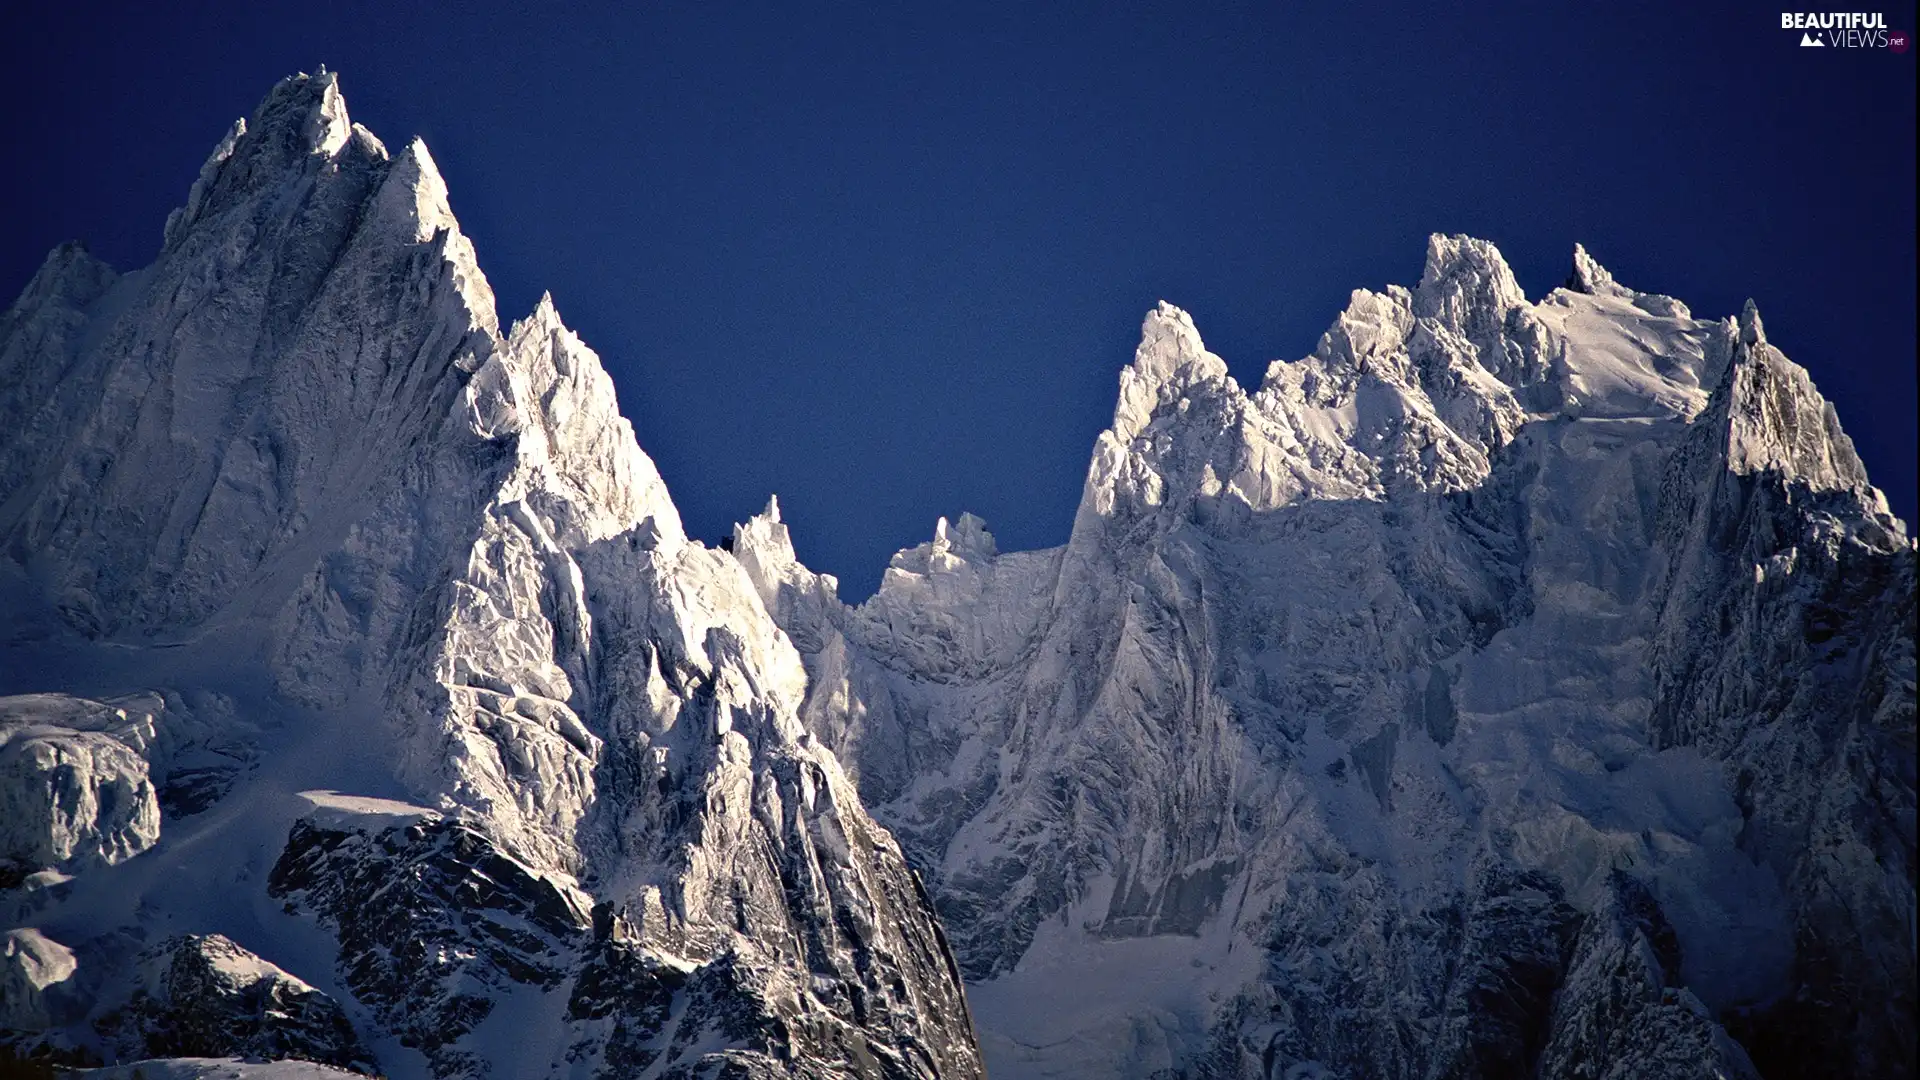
(1170, 358)
(1777, 421)
(303, 116)
(1589, 277)
(1466, 284)
(1752, 330)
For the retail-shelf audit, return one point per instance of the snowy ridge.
(1352, 700)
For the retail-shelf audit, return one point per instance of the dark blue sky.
(888, 264)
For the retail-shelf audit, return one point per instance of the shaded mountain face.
(371, 705)
(1508, 689)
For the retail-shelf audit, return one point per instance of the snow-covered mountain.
(1508, 689)
(385, 716)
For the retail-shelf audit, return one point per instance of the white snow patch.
(331, 809)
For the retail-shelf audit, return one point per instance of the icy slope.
(462, 734)
(1382, 721)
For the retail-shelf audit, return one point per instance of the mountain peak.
(1168, 340)
(420, 180)
(954, 545)
(1778, 421)
(1170, 359)
(968, 536)
(302, 115)
(764, 547)
(1752, 330)
(1589, 277)
(313, 102)
(1465, 283)
(309, 450)
(303, 118)
(70, 276)
(543, 319)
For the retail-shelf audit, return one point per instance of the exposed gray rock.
(75, 792)
(203, 996)
(1786, 652)
(434, 923)
(33, 969)
(1622, 1012)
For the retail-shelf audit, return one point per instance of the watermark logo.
(1844, 30)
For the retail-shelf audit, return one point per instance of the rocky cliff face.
(446, 718)
(1785, 650)
(1506, 689)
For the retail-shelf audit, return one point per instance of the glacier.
(1509, 688)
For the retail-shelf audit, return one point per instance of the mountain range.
(1509, 688)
